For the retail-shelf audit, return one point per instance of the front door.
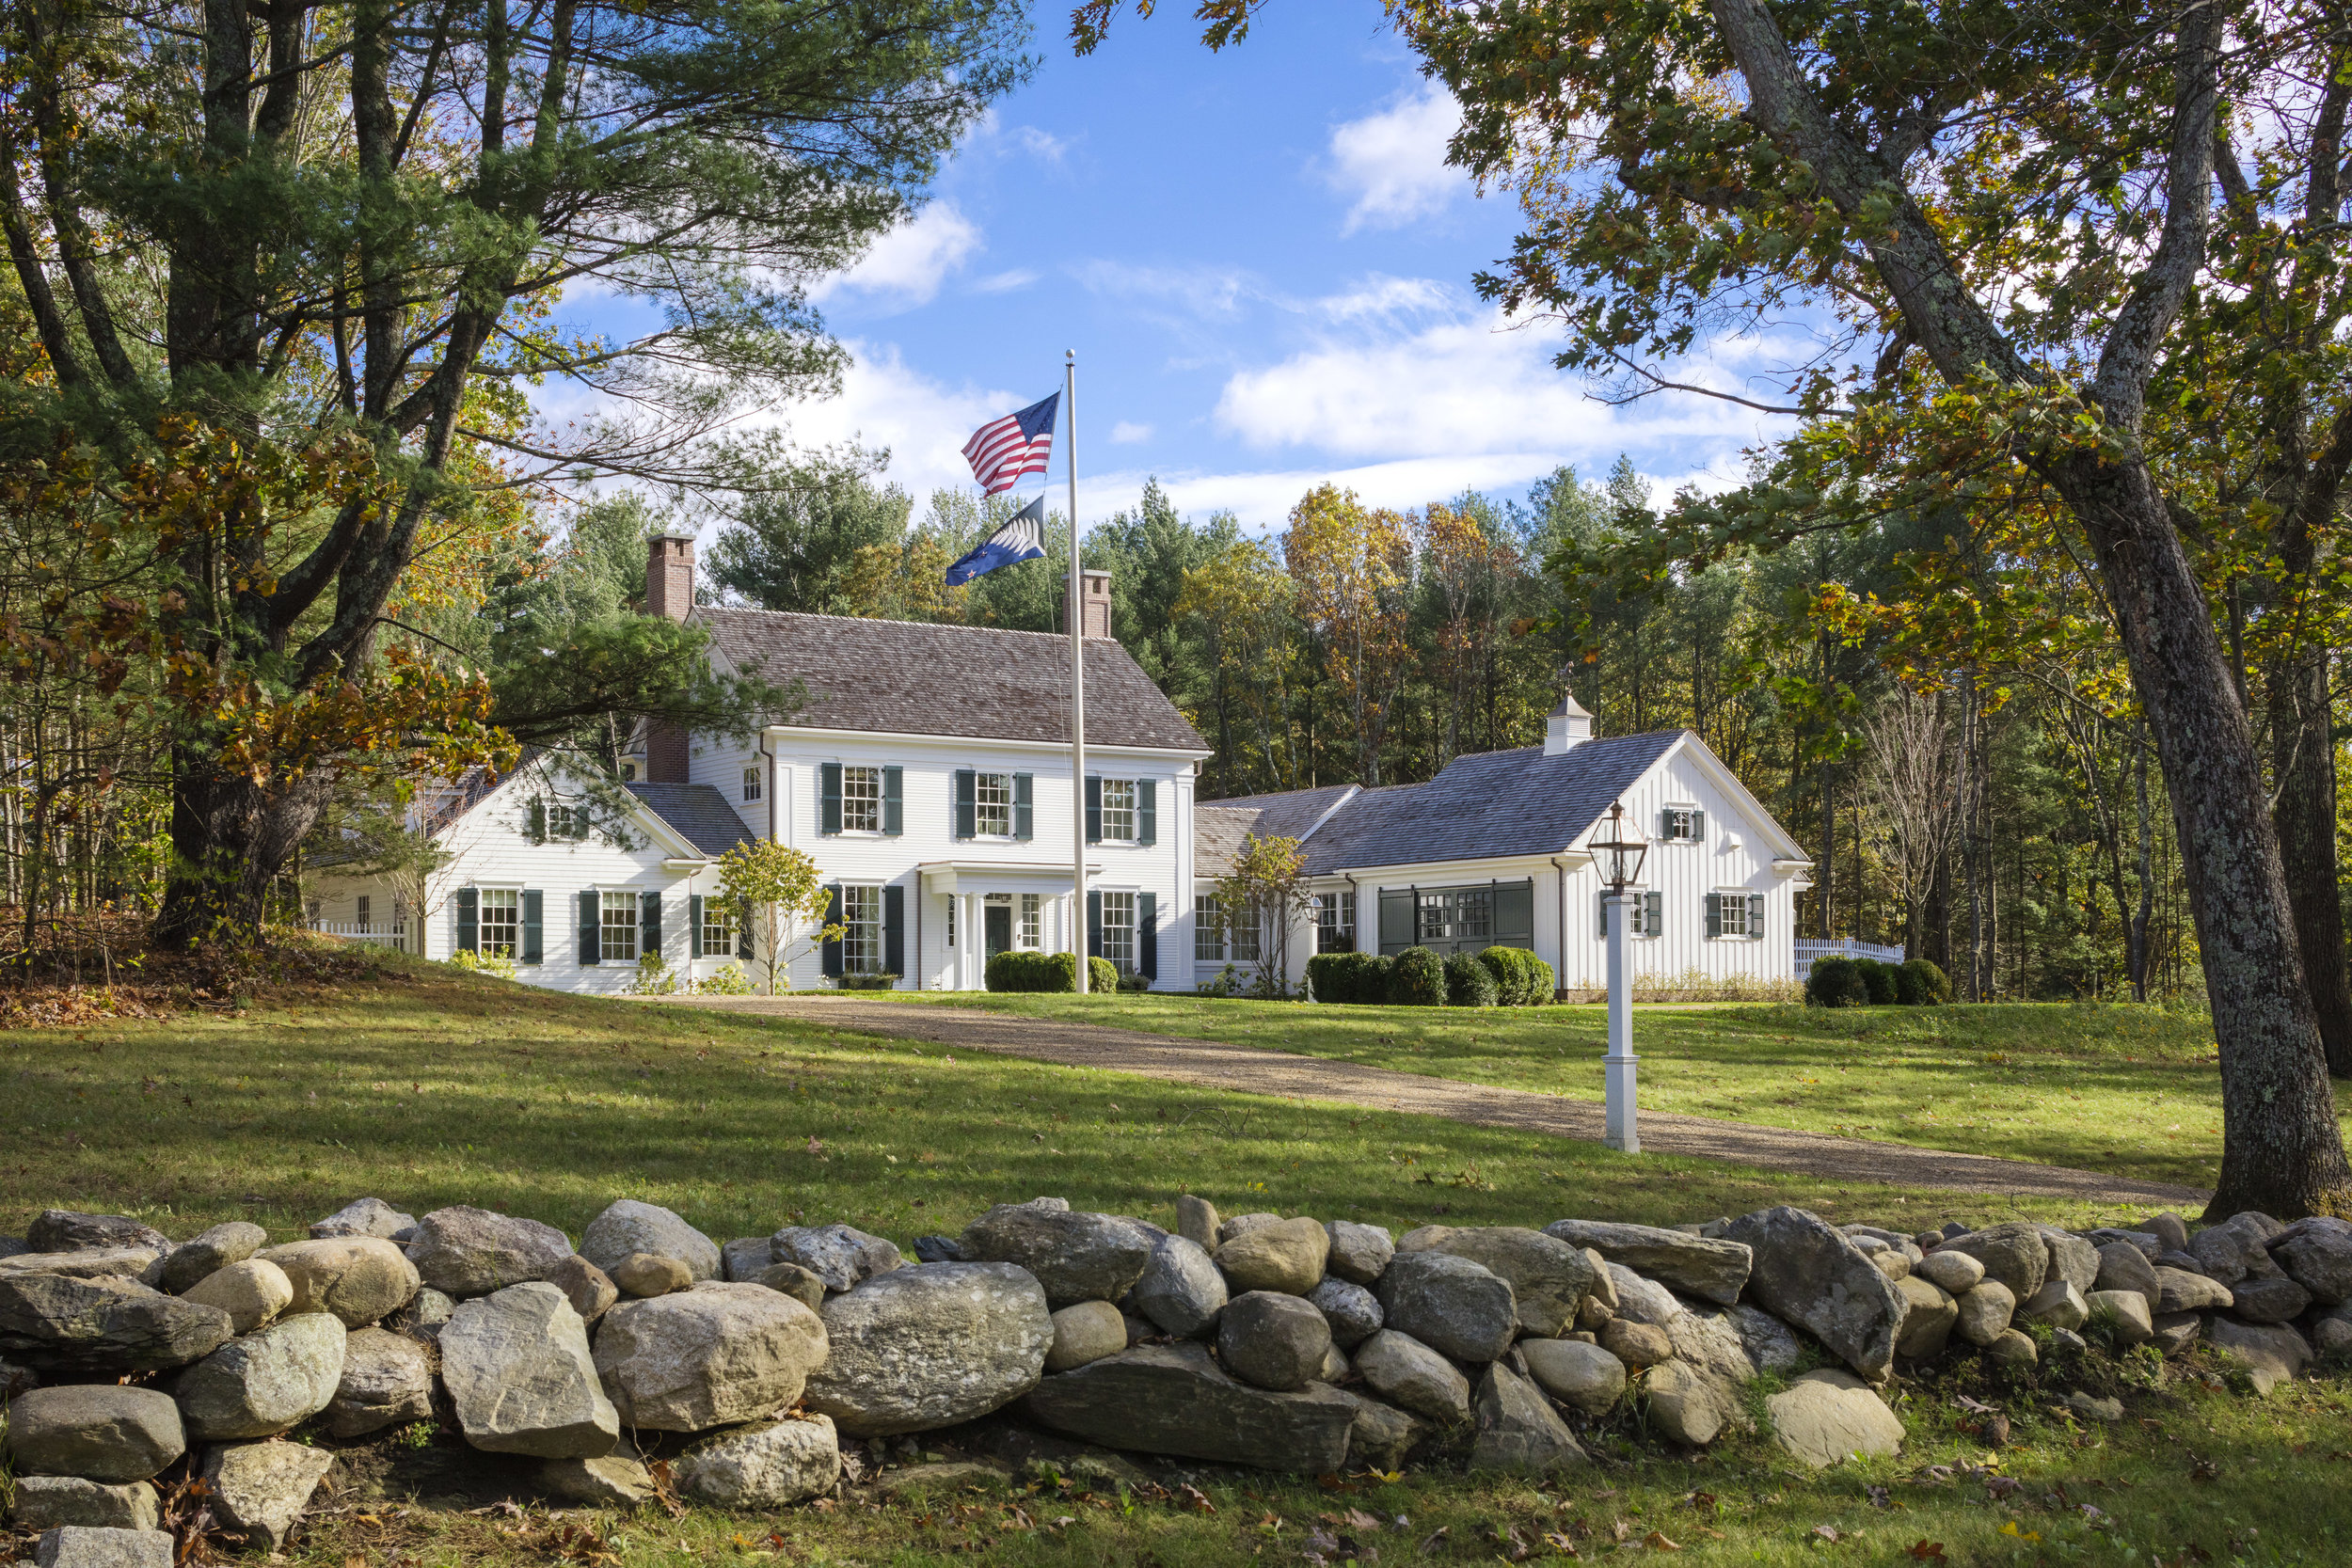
(997, 918)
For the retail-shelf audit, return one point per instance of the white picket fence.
(393, 936)
(1843, 947)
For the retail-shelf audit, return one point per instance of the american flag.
(1002, 451)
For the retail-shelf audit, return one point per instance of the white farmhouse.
(926, 773)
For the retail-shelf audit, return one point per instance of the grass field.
(2134, 1090)
(426, 1087)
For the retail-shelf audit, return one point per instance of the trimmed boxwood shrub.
(1361, 977)
(1521, 978)
(1877, 980)
(1102, 976)
(1019, 970)
(1416, 979)
(1919, 984)
(1834, 982)
(1469, 983)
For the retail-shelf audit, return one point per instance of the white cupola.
(1569, 725)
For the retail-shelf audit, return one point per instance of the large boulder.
(1273, 1339)
(1689, 1404)
(65, 1231)
(258, 1490)
(768, 1464)
(1519, 1432)
(1929, 1314)
(2072, 1259)
(1353, 1312)
(1382, 1434)
(2125, 1313)
(931, 1346)
(2179, 1291)
(252, 1292)
(616, 1480)
(144, 1265)
(88, 1546)
(56, 1502)
(588, 1288)
(1175, 1400)
(1771, 1345)
(268, 1382)
(629, 1225)
(1711, 1269)
(1807, 1274)
(1076, 1257)
(2236, 1247)
(2016, 1255)
(463, 1252)
(1450, 1303)
(1714, 1339)
(386, 1381)
(1359, 1252)
(705, 1356)
(517, 1368)
(209, 1252)
(2272, 1299)
(1953, 1272)
(102, 1328)
(1547, 1276)
(1085, 1332)
(1403, 1371)
(743, 1260)
(360, 1279)
(1645, 1301)
(1182, 1289)
(366, 1216)
(100, 1431)
(1636, 1344)
(842, 1256)
(2316, 1254)
(1585, 1378)
(2271, 1353)
(1984, 1312)
(1287, 1257)
(2057, 1304)
(2123, 1266)
(1827, 1416)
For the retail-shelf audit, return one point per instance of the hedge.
(1919, 984)
(1021, 970)
(1360, 978)
(1416, 979)
(1469, 983)
(1521, 978)
(1834, 982)
(1878, 979)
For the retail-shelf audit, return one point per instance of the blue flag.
(1021, 538)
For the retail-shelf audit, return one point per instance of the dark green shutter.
(538, 821)
(469, 930)
(1396, 920)
(1024, 811)
(1698, 825)
(829, 797)
(1665, 822)
(590, 941)
(894, 930)
(743, 929)
(967, 823)
(535, 941)
(1715, 914)
(1148, 935)
(1094, 810)
(1094, 922)
(833, 917)
(1755, 915)
(1604, 914)
(649, 924)
(694, 924)
(1654, 914)
(1514, 914)
(1147, 811)
(894, 801)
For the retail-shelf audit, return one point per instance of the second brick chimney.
(1094, 602)
(669, 594)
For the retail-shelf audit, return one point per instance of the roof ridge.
(889, 620)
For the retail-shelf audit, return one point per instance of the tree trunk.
(229, 838)
(2282, 1151)
(2303, 766)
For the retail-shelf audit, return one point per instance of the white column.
(1621, 1066)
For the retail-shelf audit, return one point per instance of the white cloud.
(1042, 145)
(905, 266)
(1393, 163)
(1127, 433)
(887, 403)
(1005, 282)
(1206, 292)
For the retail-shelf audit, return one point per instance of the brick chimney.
(670, 574)
(670, 594)
(1094, 602)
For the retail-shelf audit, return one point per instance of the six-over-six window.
(860, 800)
(1119, 810)
(862, 936)
(501, 910)
(992, 804)
(618, 928)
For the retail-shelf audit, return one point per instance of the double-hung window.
(1119, 930)
(860, 802)
(992, 804)
(1208, 928)
(501, 912)
(862, 914)
(1030, 930)
(1118, 811)
(718, 927)
(1437, 918)
(751, 783)
(617, 927)
(1242, 923)
(1731, 914)
(1335, 922)
(362, 908)
(1686, 824)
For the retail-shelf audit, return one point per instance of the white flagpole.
(1077, 690)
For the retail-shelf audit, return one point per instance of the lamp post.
(1625, 849)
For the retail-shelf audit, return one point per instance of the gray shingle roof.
(1483, 806)
(698, 811)
(910, 677)
(1217, 835)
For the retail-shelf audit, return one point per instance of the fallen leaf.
(1358, 1519)
(1829, 1533)
(2011, 1531)
(1435, 1539)
(1926, 1551)
(1655, 1541)
(1561, 1544)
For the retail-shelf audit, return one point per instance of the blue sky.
(1265, 268)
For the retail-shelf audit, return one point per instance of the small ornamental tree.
(1267, 888)
(777, 889)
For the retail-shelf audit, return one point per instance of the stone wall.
(1285, 1344)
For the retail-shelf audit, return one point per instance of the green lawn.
(2122, 1088)
(426, 1087)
